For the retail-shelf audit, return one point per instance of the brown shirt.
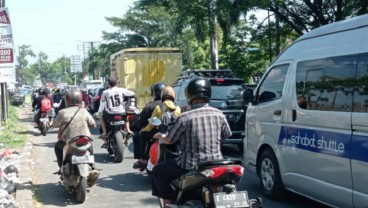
(79, 125)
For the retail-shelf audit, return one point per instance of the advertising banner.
(7, 66)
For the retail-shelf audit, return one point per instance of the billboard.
(75, 64)
(7, 66)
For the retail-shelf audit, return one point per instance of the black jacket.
(147, 112)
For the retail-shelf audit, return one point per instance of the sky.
(60, 27)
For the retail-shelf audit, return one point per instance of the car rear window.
(227, 89)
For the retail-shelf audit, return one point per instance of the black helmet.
(156, 89)
(73, 98)
(198, 88)
(46, 91)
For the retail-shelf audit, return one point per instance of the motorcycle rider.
(167, 98)
(80, 122)
(199, 130)
(85, 98)
(146, 113)
(111, 104)
(38, 102)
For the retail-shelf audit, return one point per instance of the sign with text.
(7, 67)
(75, 64)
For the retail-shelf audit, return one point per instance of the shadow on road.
(126, 182)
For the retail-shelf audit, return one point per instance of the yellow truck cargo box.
(138, 68)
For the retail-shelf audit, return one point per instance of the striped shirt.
(199, 131)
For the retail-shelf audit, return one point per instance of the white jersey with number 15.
(112, 100)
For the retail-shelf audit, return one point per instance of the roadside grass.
(11, 135)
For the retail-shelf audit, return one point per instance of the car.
(95, 98)
(227, 95)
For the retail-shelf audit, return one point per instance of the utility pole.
(3, 88)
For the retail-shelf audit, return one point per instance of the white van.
(307, 121)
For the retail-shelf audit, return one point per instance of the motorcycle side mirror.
(155, 121)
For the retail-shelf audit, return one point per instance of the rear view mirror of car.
(248, 96)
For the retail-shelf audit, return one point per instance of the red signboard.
(6, 55)
(4, 19)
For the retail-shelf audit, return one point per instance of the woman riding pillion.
(167, 98)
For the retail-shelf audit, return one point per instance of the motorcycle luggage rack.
(217, 163)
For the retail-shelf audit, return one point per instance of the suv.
(227, 95)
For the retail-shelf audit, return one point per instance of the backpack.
(45, 104)
(168, 116)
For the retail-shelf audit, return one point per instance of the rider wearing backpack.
(168, 112)
(44, 103)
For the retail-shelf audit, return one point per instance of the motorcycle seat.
(212, 163)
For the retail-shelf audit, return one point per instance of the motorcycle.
(159, 151)
(78, 167)
(209, 184)
(117, 138)
(44, 123)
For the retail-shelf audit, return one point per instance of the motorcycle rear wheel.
(43, 130)
(119, 149)
(82, 190)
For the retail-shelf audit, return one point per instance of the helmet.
(46, 91)
(156, 89)
(168, 93)
(198, 88)
(73, 98)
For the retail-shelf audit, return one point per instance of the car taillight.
(82, 141)
(220, 80)
(218, 171)
(117, 118)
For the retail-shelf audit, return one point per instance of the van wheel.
(269, 175)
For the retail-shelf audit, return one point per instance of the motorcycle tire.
(44, 130)
(193, 204)
(119, 149)
(81, 190)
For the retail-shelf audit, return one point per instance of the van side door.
(315, 148)
(264, 115)
(359, 146)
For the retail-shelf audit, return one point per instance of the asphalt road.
(119, 185)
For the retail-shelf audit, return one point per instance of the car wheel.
(269, 175)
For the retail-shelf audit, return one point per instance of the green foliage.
(12, 136)
(246, 45)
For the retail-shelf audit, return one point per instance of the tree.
(205, 16)
(24, 52)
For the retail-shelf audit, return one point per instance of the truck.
(137, 69)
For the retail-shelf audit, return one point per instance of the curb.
(24, 195)
(24, 189)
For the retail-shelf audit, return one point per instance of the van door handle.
(277, 113)
(293, 115)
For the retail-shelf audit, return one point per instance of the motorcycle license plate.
(83, 159)
(234, 199)
(114, 123)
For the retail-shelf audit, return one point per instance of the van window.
(326, 84)
(272, 86)
(361, 94)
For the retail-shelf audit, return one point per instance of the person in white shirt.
(112, 103)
